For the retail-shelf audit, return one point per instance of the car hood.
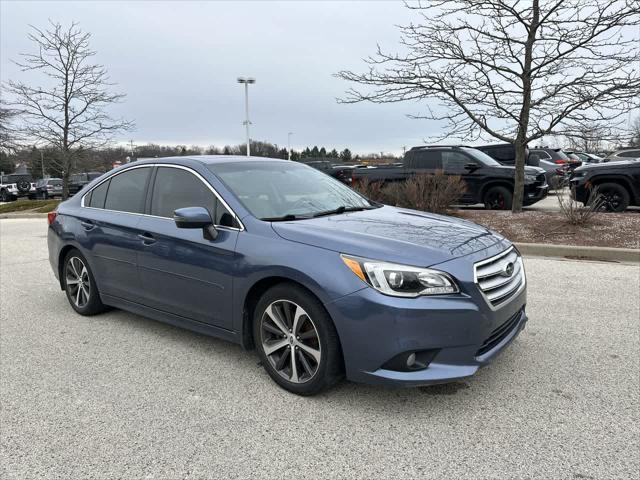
(393, 234)
(621, 164)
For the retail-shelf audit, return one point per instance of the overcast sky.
(178, 63)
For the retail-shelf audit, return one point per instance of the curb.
(22, 215)
(580, 253)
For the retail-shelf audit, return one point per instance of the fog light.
(411, 360)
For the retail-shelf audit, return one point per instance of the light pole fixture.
(247, 81)
(289, 145)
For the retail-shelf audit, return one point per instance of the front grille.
(501, 277)
(499, 334)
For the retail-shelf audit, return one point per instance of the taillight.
(560, 162)
(560, 171)
(51, 217)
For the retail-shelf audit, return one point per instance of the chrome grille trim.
(497, 288)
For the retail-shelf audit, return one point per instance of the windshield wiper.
(341, 209)
(285, 218)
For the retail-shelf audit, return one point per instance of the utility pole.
(42, 162)
(247, 81)
(289, 144)
(131, 148)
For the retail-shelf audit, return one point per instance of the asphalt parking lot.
(120, 396)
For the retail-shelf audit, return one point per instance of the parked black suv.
(505, 153)
(617, 182)
(487, 181)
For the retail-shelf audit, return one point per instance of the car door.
(181, 271)
(108, 230)
(453, 163)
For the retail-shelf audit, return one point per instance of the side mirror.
(195, 217)
(471, 166)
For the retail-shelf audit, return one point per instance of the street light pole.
(289, 145)
(247, 82)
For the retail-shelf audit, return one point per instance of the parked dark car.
(79, 180)
(555, 155)
(277, 256)
(487, 181)
(505, 153)
(617, 182)
(49, 188)
(16, 185)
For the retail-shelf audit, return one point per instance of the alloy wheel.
(78, 282)
(290, 341)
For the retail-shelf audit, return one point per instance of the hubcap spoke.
(305, 364)
(315, 354)
(296, 320)
(270, 348)
(282, 361)
(294, 368)
(275, 318)
(78, 293)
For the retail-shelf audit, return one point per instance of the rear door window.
(424, 159)
(127, 191)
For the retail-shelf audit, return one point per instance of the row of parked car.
(15, 186)
(489, 173)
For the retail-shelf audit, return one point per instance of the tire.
(6, 196)
(615, 197)
(85, 301)
(318, 339)
(498, 198)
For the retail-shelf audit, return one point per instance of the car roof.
(210, 159)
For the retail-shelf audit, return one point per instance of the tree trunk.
(518, 188)
(66, 173)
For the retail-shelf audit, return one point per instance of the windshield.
(274, 190)
(481, 157)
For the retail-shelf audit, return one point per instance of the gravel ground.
(120, 396)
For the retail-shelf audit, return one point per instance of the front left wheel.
(80, 285)
(296, 340)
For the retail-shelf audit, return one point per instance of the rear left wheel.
(296, 340)
(80, 285)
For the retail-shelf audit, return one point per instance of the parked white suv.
(15, 186)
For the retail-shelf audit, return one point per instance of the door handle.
(147, 238)
(87, 225)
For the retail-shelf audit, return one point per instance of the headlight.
(400, 280)
(529, 178)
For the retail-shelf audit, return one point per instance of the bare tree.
(515, 70)
(635, 133)
(9, 136)
(69, 112)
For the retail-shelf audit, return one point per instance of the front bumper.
(534, 194)
(374, 328)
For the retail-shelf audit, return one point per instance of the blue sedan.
(277, 256)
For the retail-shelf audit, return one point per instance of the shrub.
(577, 214)
(433, 193)
(428, 192)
